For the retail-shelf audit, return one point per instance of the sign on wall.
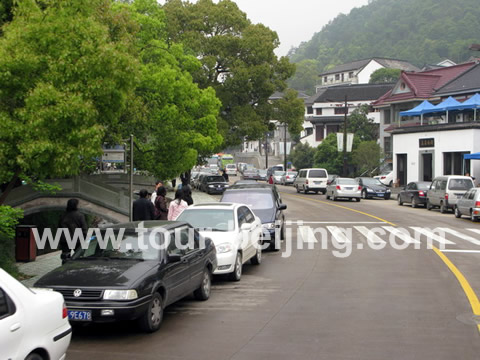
(426, 143)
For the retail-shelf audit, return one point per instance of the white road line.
(476, 231)
(460, 235)
(401, 235)
(337, 222)
(432, 236)
(461, 251)
(370, 235)
(307, 235)
(338, 235)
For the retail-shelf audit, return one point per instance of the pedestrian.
(225, 175)
(71, 220)
(177, 206)
(143, 208)
(154, 193)
(187, 194)
(161, 209)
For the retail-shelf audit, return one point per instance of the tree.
(63, 84)
(385, 75)
(306, 76)
(237, 58)
(327, 155)
(366, 156)
(302, 156)
(359, 124)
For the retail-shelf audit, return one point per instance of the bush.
(8, 219)
(302, 156)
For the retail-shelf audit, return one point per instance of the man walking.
(71, 220)
(143, 208)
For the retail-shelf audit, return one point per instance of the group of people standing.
(157, 207)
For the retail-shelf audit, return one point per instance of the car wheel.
(399, 200)
(296, 187)
(414, 203)
(34, 356)
(236, 275)
(257, 259)
(350, 199)
(334, 198)
(458, 214)
(150, 321)
(364, 194)
(316, 192)
(429, 206)
(358, 199)
(203, 292)
(304, 191)
(390, 183)
(327, 196)
(472, 217)
(324, 192)
(443, 208)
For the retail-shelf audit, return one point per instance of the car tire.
(316, 192)
(399, 200)
(34, 356)
(304, 190)
(296, 187)
(364, 195)
(387, 197)
(414, 203)
(358, 199)
(334, 198)
(472, 217)
(236, 275)
(327, 196)
(443, 208)
(429, 206)
(458, 214)
(257, 259)
(324, 192)
(151, 320)
(203, 292)
(390, 183)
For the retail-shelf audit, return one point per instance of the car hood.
(96, 273)
(219, 237)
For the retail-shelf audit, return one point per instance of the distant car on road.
(213, 184)
(231, 169)
(33, 322)
(135, 280)
(250, 174)
(311, 180)
(228, 225)
(372, 188)
(345, 188)
(414, 193)
(289, 177)
(277, 176)
(469, 205)
(262, 175)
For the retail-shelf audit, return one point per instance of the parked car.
(345, 188)
(231, 169)
(213, 169)
(414, 193)
(277, 176)
(331, 177)
(445, 191)
(469, 205)
(288, 177)
(33, 322)
(213, 184)
(135, 280)
(372, 188)
(311, 180)
(235, 231)
(266, 203)
(262, 175)
(250, 174)
(271, 170)
(386, 178)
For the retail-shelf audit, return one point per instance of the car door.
(11, 326)
(432, 193)
(176, 275)
(194, 257)
(248, 246)
(410, 193)
(464, 204)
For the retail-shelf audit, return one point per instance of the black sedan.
(373, 188)
(213, 184)
(127, 276)
(414, 193)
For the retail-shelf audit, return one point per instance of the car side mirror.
(246, 226)
(174, 258)
(282, 207)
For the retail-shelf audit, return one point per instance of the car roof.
(214, 205)
(149, 224)
(253, 185)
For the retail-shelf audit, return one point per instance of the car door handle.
(15, 327)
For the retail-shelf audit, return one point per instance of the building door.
(402, 169)
(427, 164)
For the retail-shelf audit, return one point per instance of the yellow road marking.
(341, 207)
(471, 296)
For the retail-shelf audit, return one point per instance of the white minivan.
(445, 191)
(231, 169)
(311, 180)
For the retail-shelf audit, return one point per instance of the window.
(387, 117)
(350, 75)
(308, 131)
(325, 79)
(340, 110)
(309, 110)
(337, 77)
(7, 306)
(319, 132)
(442, 185)
(318, 111)
(343, 77)
(387, 144)
(317, 174)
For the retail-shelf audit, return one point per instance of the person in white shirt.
(176, 206)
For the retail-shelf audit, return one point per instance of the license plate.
(349, 188)
(80, 315)
(380, 194)
(317, 182)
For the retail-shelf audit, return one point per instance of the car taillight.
(359, 188)
(288, 177)
(421, 193)
(306, 182)
(383, 177)
(65, 312)
(338, 187)
(477, 203)
(446, 196)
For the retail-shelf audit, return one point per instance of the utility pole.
(285, 147)
(345, 139)
(266, 150)
(130, 187)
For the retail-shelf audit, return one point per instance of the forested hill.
(421, 31)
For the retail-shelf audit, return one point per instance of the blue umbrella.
(419, 110)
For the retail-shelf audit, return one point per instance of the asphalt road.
(372, 304)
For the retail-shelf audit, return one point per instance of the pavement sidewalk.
(48, 262)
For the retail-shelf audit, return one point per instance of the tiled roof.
(360, 64)
(359, 92)
(468, 81)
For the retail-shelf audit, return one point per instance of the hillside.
(420, 31)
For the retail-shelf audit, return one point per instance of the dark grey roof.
(467, 82)
(360, 64)
(279, 95)
(360, 92)
(327, 119)
(311, 100)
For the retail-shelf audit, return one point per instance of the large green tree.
(302, 156)
(361, 125)
(385, 75)
(63, 84)
(366, 156)
(237, 58)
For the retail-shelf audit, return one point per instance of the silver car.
(277, 176)
(344, 188)
(469, 205)
(288, 178)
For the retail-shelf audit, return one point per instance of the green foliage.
(302, 156)
(306, 76)
(327, 155)
(290, 110)
(237, 59)
(359, 124)
(385, 75)
(8, 219)
(366, 156)
(426, 31)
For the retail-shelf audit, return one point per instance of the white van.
(445, 191)
(231, 169)
(311, 180)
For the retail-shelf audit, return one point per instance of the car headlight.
(211, 186)
(268, 226)
(227, 186)
(370, 190)
(120, 295)
(388, 190)
(223, 248)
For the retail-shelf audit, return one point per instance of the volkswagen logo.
(77, 293)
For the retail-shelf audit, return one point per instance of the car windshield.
(460, 184)
(423, 186)
(215, 179)
(209, 219)
(231, 166)
(262, 172)
(118, 245)
(346, 182)
(255, 199)
(279, 173)
(292, 173)
(371, 181)
(317, 174)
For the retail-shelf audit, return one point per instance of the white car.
(231, 169)
(386, 178)
(235, 231)
(33, 322)
(277, 176)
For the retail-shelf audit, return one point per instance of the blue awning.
(472, 103)
(475, 156)
(418, 110)
(447, 105)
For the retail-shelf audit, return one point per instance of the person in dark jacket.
(143, 208)
(225, 175)
(187, 194)
(161, 209)
(71, 220)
